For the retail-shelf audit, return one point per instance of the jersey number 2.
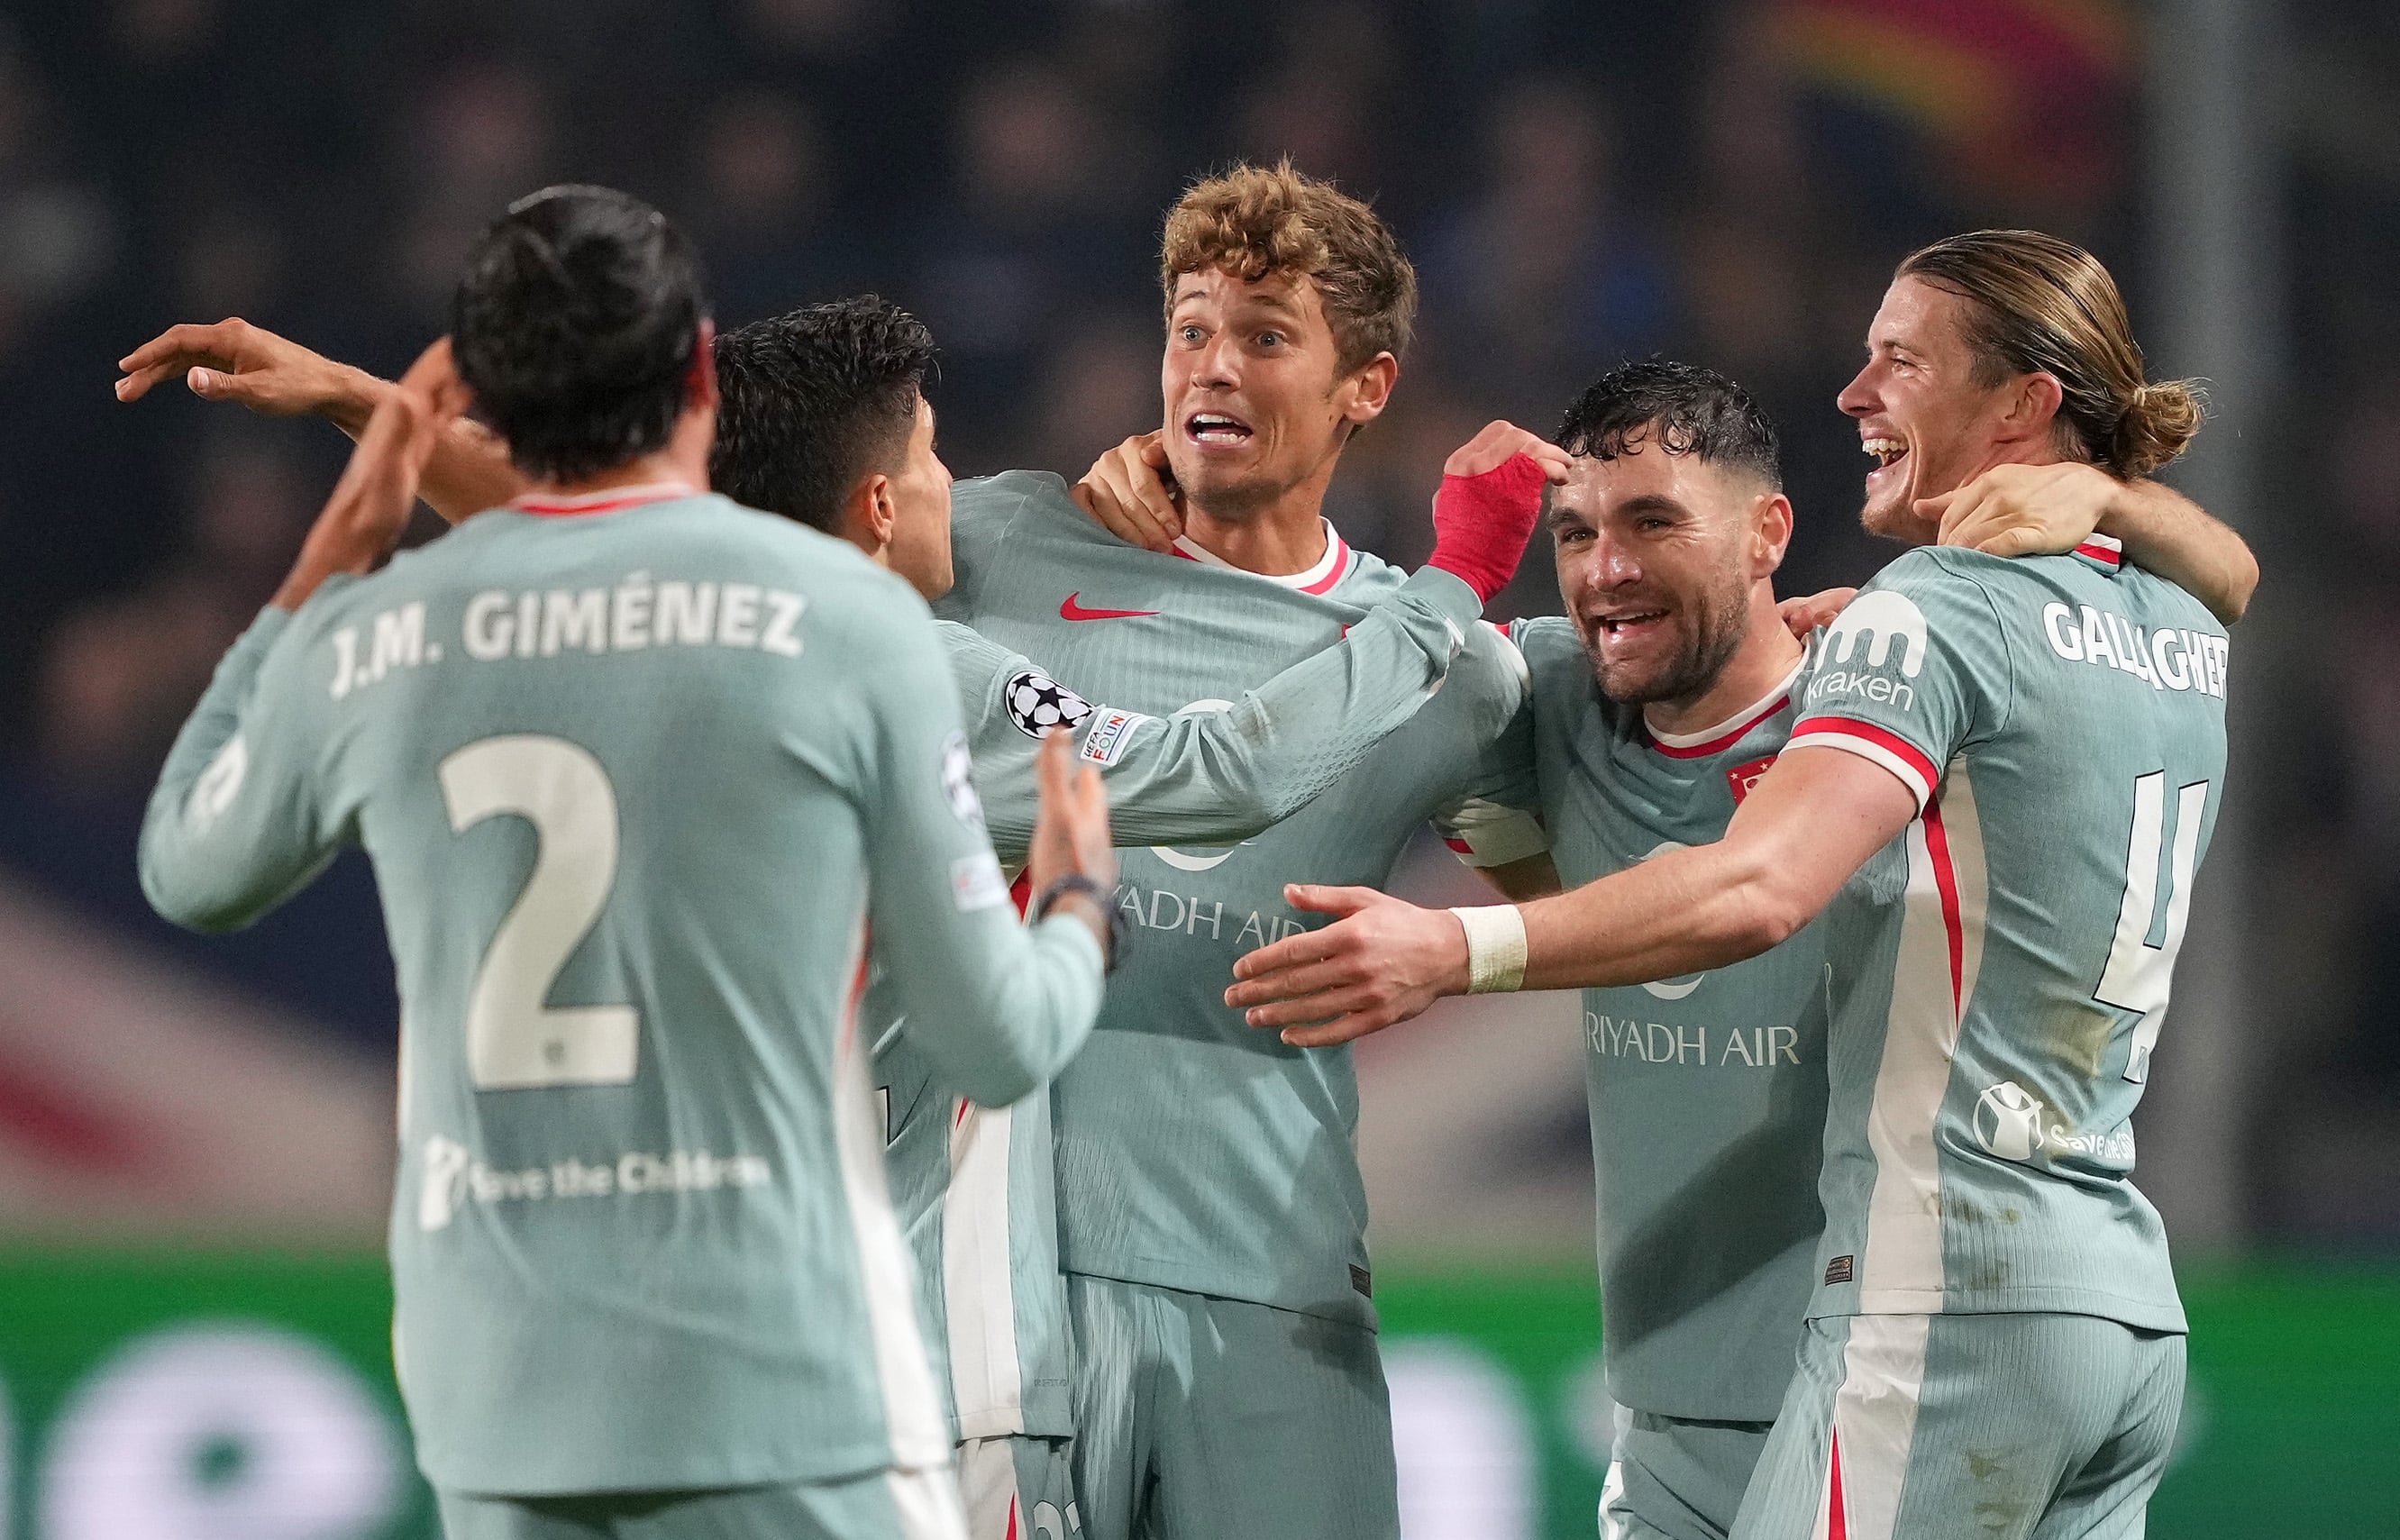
(514, 1040)
(2138, 973)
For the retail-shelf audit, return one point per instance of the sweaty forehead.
(1648, 478)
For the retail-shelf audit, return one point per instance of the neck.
(1283, 536)
(646, 470)
(1768, 654)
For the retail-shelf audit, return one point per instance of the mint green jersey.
(1195, 1152)
(974, 1186)
(637, 784)
(1707, 1093)
(2002, 970)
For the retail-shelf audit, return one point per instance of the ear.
(700, 379)
(2033, 405)
(1770, 533)
(867, 516)
(1369, 389)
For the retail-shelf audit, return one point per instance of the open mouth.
(1888, 453)
(1632, 622)
(1214, 428)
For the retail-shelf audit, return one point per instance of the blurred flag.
(2026, 99)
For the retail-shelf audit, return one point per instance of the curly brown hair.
(1254, 219)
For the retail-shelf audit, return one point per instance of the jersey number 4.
(514, 1040)
(2138, 973)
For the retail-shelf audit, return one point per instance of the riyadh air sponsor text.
(1701, 1047)
(1157, 909)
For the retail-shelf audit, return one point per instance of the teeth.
(1886, 450)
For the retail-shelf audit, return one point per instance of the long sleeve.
(1213, 777)
(998, 1007)
(235, 825)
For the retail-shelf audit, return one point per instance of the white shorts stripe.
(927, 1502)
(1874, 1420)
(979, 1287)
(920, 1434)
(988, 1488)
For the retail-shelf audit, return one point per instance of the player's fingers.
(1050, 767)
(1261, 999)
(1347, 1028)
(1325, 900)
(1151, 448)
(2014, 540)
(1107, 495)
(1292, 951)
(185, 341)
(1943, 508)
(1555, 462)
(137, 384)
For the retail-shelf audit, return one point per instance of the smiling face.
(1658, 557)
(920, 549)
(1922, 410)
(1257, 403)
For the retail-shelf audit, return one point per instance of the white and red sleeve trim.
(2109, 551)
(1867, 741)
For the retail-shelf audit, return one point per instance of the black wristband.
(1076, 882)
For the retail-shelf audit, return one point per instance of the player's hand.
(234, 360)
(1499, 442)
(1491, 499)
(1133, 493)
(363, 520)
(1070, 834)
(2024, 510)
(1804, 615)
(1381, 961)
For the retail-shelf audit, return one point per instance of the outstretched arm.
(1218, 777)
(1811, 821)
(468, 470)
(2043, 509)
(236, 824)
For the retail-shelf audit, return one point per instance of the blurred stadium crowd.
(1729, 181)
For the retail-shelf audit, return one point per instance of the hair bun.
(2157, 424)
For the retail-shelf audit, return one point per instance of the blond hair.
(1255, 220)
(2039, 305)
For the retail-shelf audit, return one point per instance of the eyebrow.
(1267, 301)
(1651, 503)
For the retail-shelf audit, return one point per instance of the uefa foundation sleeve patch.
(1111, 733)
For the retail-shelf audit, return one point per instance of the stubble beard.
(1718, 624)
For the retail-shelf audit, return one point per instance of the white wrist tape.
(1495, 948)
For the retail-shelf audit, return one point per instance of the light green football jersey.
(974, 1186)
(1707, 1093)
(1194, 1152)
(2000, 971)
(636, 783)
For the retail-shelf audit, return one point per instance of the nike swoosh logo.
(1069, 610)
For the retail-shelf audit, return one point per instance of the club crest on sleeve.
(1037, 703)
(957, 781)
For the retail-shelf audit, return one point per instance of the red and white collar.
(605, 500)
(1726, 734)
(1330, 568)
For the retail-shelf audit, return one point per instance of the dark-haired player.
(1998, 793)
(638, 771)
(822, 419)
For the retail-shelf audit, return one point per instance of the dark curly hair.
(814, 400)
(1683, 408)
(576, 325)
